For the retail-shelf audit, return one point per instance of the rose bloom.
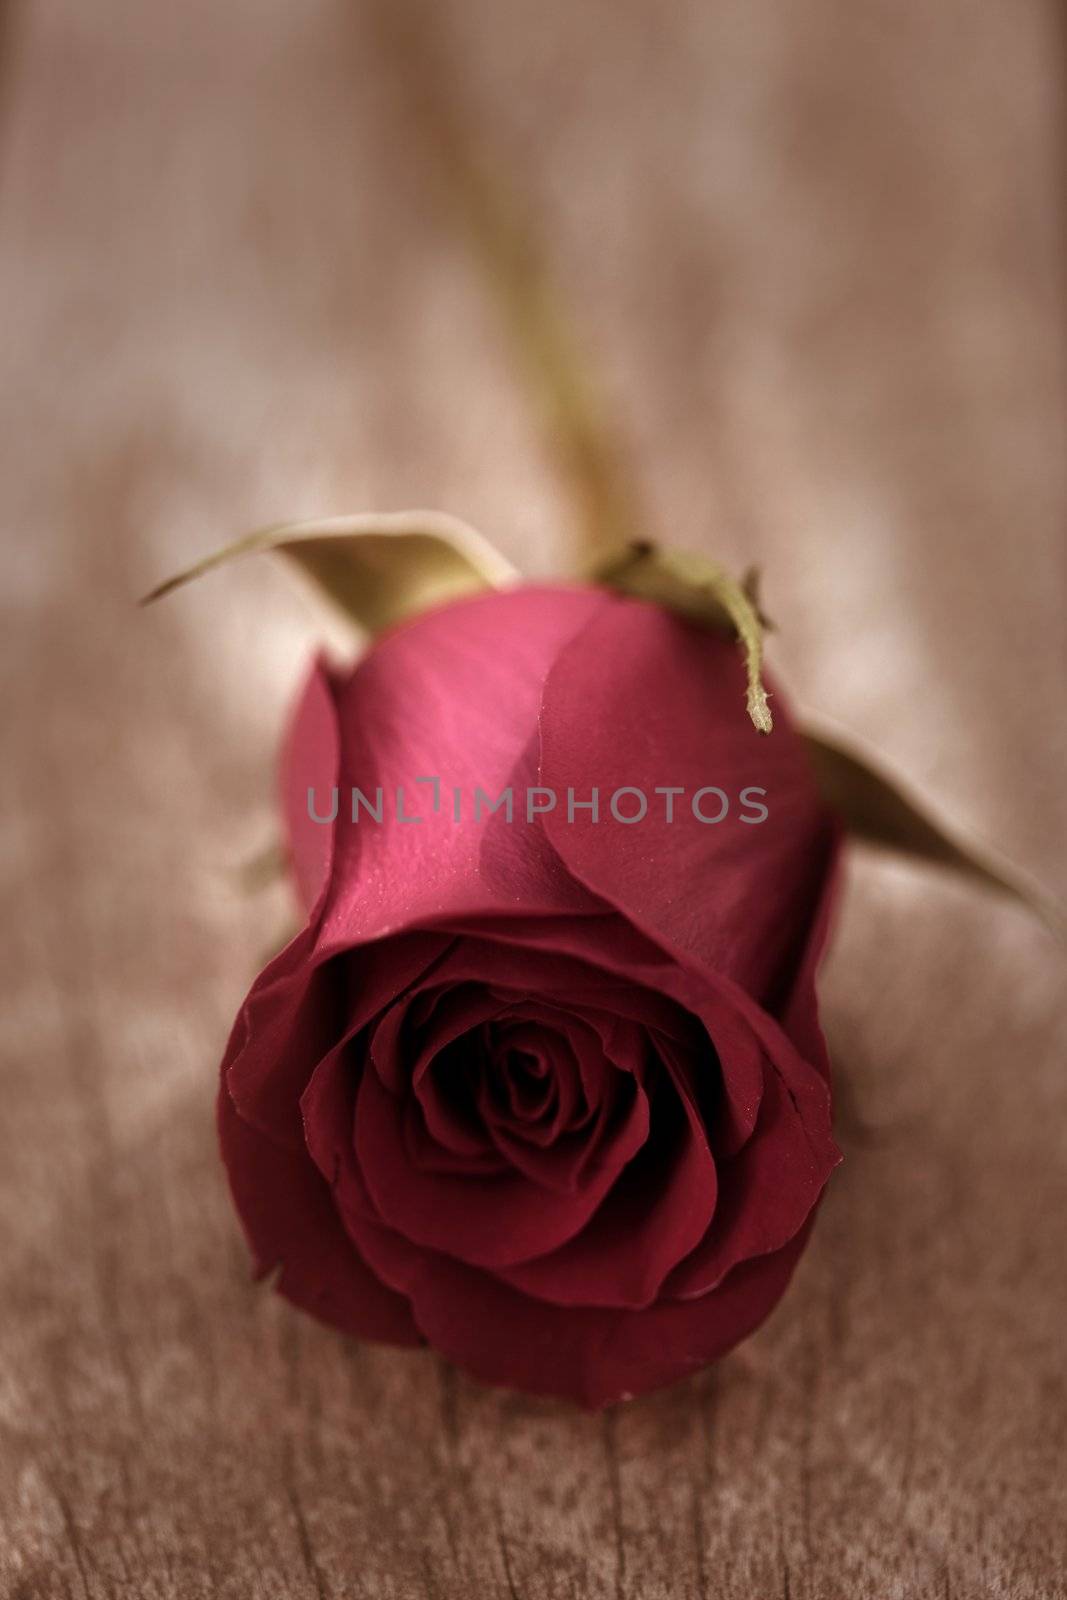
(550, 1096)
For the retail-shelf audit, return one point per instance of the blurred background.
(815, 255)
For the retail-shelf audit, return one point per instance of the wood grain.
(818, 253)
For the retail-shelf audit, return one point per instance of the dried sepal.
(701, 590)
(376, 569)
(877, 808)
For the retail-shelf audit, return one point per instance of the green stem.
(567, 403)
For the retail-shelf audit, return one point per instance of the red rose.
(549, 1094)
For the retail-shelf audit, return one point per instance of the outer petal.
(290, 1221)
(799, 1010)
(732, 897)
(311, 755)
(297, 1010)
(292, 1016)
(592, 1356)
(453, 695)
(768, 1190)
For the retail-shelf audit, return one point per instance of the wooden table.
(817, 252)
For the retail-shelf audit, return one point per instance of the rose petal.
(290, 1222)
(310, 760)
(766, 1194)
(729, 897)
(490, 1221)
(454, 695)
(800, 1010)
(290, 1017)
(654, 1216)
(595, 963)
(296, 1010)
(430, 1155)
(601, 961)
(591, 1356)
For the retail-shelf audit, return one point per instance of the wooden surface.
(818, 252)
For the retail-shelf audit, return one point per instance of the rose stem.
(566, 401)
